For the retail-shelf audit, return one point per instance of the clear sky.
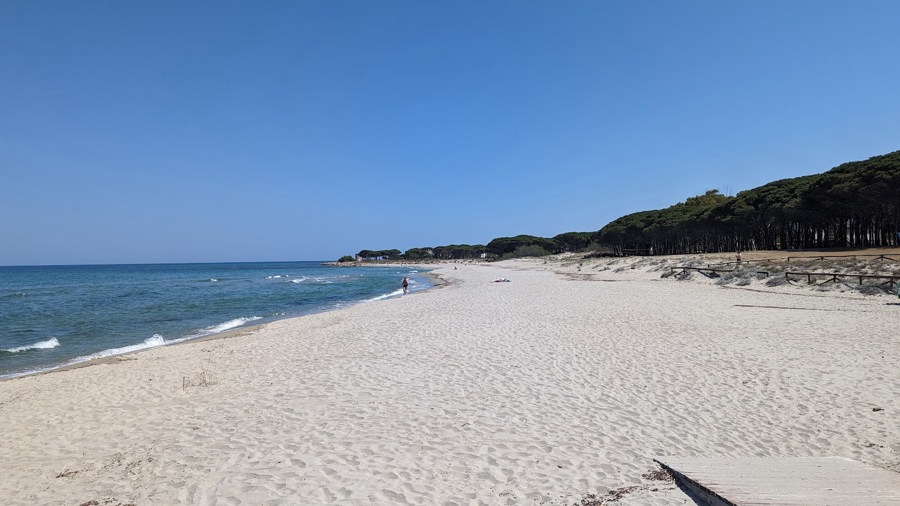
(172, 131)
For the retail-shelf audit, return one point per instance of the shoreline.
(240, 331)
(550, 388)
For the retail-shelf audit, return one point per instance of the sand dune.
(539, 391)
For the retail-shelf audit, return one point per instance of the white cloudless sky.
(170, 131)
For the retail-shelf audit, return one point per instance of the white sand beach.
(544, 390)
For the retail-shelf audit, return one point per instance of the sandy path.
(537, 391)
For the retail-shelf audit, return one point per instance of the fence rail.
(823, 257)
(712, 269)
(819, 257)
(833, 277)
(839, 276)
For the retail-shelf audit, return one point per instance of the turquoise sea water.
(57, 315)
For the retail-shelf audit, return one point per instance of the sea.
(53, 316)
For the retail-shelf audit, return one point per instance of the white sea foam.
(158, 340)
(49, 344)
(150, 342)
(230, 324)
(395, 293)
(276, 276)
(299, 280)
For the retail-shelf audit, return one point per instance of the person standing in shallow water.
(405, 285)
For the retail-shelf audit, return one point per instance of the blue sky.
(172, 131)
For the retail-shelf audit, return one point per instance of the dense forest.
(854, 205)
(502, 247)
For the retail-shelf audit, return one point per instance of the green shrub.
(527, 251)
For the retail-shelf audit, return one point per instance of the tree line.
(499, 248)
(854, 205)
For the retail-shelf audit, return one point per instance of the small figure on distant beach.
(501, 280)
(738, 257)
(405, 285)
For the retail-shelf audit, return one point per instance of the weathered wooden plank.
(786, 481)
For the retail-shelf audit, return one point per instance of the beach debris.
(618, 493)
(658, 475)
(108, 501)
(877, 408)
(67, 473)
(615, 494)
(610, 497)
(202, 378)
(590, 500)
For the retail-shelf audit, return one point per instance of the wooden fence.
(712, 269)
(823, 257)
(788, 259)
(834, 277)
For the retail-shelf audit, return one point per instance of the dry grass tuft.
(67, 473)
(203, 378)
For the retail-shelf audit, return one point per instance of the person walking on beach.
(405, 285)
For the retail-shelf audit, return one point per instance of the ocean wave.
(49, 344)
(158, 340)
(230, 324)
(395, 293)
(321, 280)
(150, 342)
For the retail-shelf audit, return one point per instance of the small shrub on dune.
(527, 251)
(777, 281)
(659, 266)
(872, 290)
(684, 275)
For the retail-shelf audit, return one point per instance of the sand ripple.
(538, 391)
